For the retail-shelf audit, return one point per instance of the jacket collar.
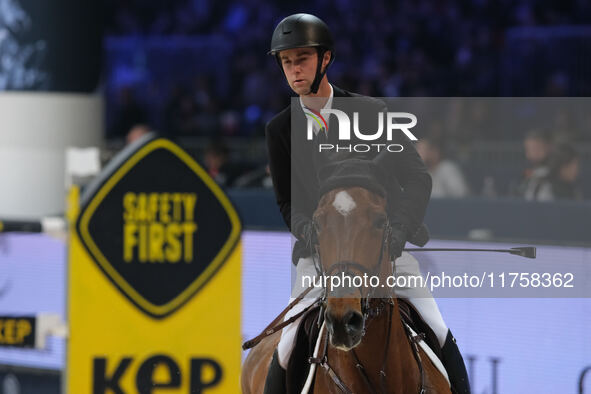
(338, 92)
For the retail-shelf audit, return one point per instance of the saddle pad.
(427, 349)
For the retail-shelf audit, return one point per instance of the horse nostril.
(353, 322)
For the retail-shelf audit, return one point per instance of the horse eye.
(380, 222)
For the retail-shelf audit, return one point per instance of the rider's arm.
(278, 147)
(416, 184)
(415, 181)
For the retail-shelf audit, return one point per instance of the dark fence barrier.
(560, 222)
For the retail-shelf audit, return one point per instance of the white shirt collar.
(328, 104)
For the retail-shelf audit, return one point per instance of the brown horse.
(365, 347)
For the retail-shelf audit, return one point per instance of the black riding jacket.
(296, 187)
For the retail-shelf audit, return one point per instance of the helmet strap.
(319, 73)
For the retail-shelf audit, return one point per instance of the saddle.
(307, 335)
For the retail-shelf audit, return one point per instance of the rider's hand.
(309, 234)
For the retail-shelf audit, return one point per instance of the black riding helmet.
(301, 31)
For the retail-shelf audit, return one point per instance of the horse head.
(352, 229)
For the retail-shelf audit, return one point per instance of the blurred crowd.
(383, 49)
(551, 171)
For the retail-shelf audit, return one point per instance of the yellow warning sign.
(154, 279)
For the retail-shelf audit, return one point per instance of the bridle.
(348, 267)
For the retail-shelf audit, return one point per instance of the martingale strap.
(323, 362)
(414, 340)
(363, 372)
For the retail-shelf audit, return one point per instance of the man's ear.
(326, 59)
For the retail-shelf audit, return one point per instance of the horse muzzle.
(345, 331)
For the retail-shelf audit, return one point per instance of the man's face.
(299, 65)
(213, 161)
(536, 150)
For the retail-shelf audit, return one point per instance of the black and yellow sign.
(154, 278)
(17, 331)
(141, 227)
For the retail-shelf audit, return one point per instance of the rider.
(303, 47)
